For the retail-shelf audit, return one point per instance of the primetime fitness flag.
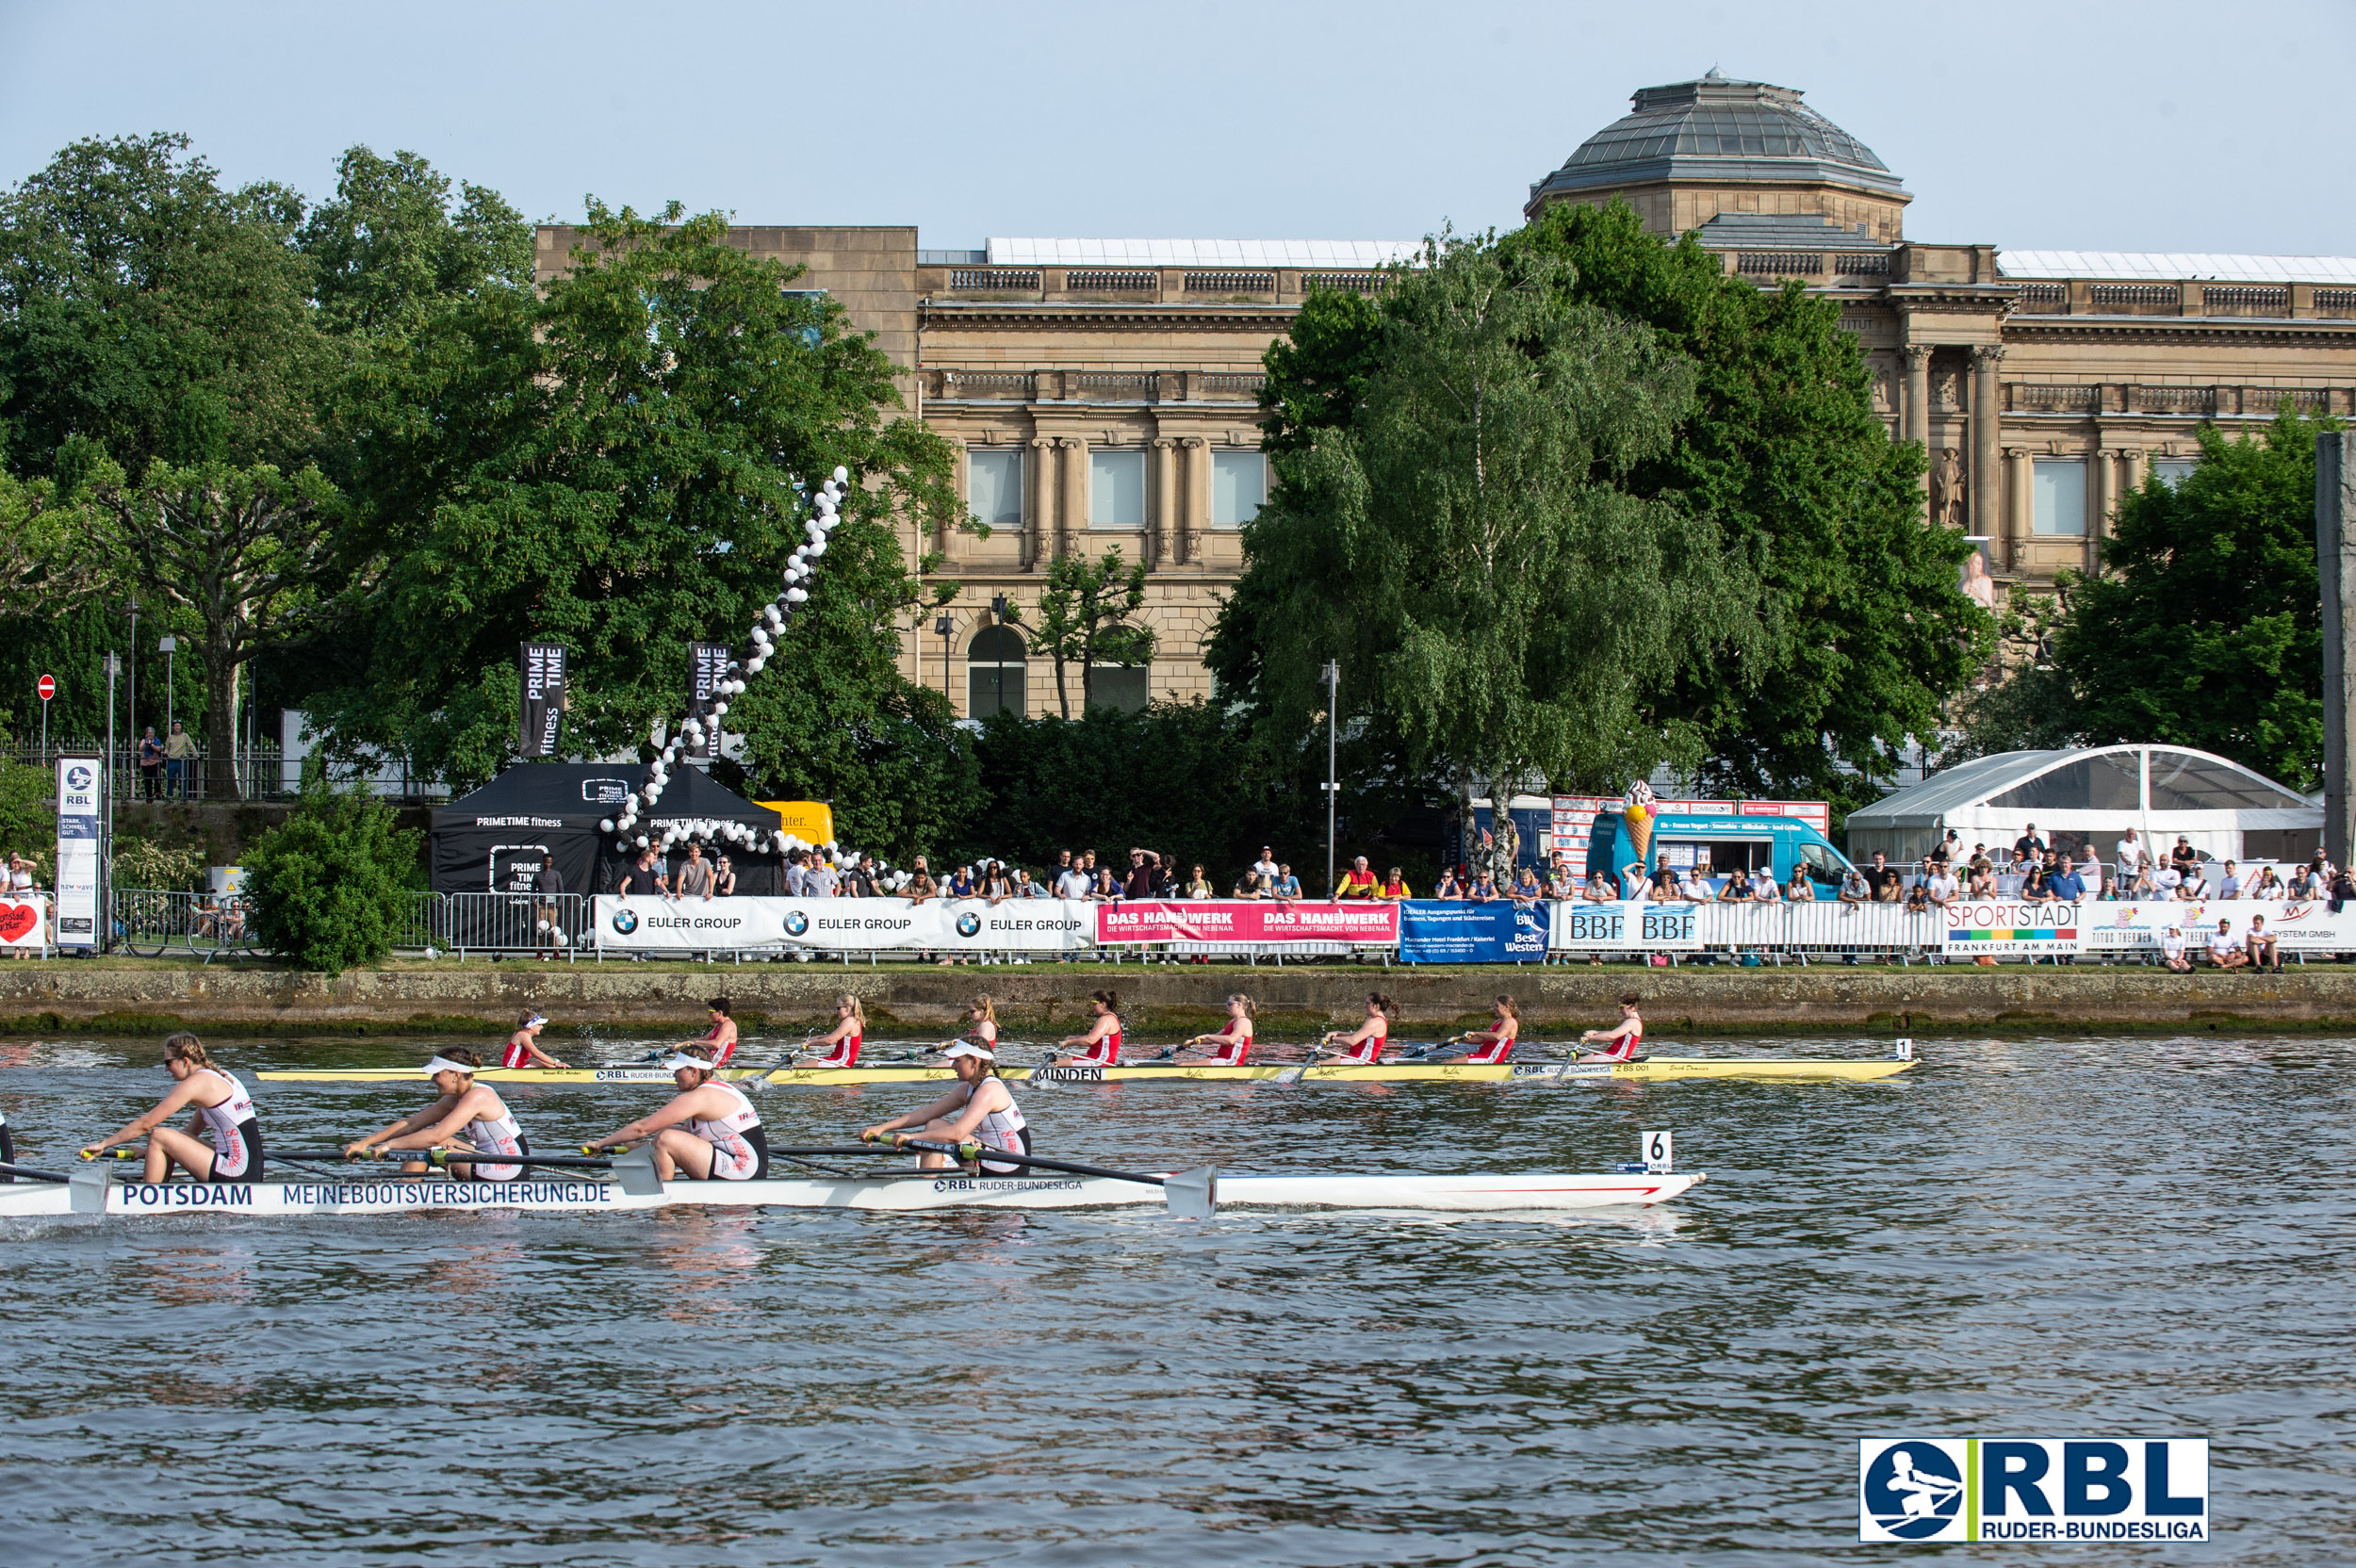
(707, 666)
(542, 669)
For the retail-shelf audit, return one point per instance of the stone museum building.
(1103, 391)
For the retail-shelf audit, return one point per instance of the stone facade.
(2042, 385)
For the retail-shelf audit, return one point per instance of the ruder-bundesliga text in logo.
(2059, 1489)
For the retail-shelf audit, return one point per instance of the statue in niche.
(1947, 489)
(1885, 389)
(1947, 390)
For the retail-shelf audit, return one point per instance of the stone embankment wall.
(38, 998)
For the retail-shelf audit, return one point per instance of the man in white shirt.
(1266, 867)
(2194, 886)
(1071, 882)
(1940, 888)
(2225, 948)
(2129, 853)
(2165, 880)
(2229, 885)
(2172, 951)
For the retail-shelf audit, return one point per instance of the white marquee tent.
(2093, 795)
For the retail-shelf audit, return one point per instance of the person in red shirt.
(1101, 1045)
(1624, 1041)
(842, 1042)
(1232, 1045)
(1364, 1044)
(1487, 1047)
(523, 1046)
(1357, 882)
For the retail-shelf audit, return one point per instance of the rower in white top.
(467, 1116)
(980, 1110)
(220, 1104)
(710, 1132)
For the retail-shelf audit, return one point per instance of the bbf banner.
(707, 666)
(2056, 1488)
(79, 805)
(543, 667)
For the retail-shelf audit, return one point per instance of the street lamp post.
(947, 628)
(131, 699)
(1333, 784)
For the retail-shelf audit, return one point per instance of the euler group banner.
(839, 924)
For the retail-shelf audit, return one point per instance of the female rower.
(721, 1041)
(980, 1109)
(1623, 1041)
(710, 1131)
(468, 1116)
(219, 1102)
(850, 1028)
(1101, 1045)
(981, 1025)
(1364, 1044)
(523, 1046)
(1486, 1047)
(1232, 1045)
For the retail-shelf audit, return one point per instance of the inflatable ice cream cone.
(1638, 817)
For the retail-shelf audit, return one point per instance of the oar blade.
(1192, 1194)
(86, 1189)
(636, 1172)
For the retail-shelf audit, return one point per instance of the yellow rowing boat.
(1781, 1070)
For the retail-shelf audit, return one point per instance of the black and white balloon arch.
(759, 644)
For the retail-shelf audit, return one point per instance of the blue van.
(1713, 846)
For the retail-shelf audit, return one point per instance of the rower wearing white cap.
(221, 1102)
(465, 1116)
(523, 1046)
(981, 1109)
(710, 1131)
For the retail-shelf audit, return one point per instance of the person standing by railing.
(548, 920)
(179, 751)
(151, 759)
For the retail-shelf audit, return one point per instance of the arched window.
(995, 672)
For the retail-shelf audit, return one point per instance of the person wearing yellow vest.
(1357, 882)
(1395, 889)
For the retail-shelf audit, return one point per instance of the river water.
(2084, 1237)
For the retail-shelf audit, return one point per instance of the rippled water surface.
(2089, 1237)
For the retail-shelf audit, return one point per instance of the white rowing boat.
(94, 1191)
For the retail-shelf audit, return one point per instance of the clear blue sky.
(2152, 126)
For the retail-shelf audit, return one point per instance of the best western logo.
(2033, 1489)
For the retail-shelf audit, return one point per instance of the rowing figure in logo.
(1922, 1495)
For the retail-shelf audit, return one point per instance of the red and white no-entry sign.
(47, 687)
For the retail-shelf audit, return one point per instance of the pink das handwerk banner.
(1244, 921)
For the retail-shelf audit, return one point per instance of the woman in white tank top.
(222, 1108)
(468, 1116)
(981, 1109)
(710, 1132)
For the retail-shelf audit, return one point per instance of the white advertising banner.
(843, 924)
(2138, 927)
(79, 805)
(21, 924)
(2003, 928)
(1626, 928)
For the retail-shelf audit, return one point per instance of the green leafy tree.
(1465, 547)
(2206, 627)
(27, 824)
(327, 888)
(144, 308)
(391, 250)
(1082, 621)
(243, 552)
(616, 461)
(1864, 630)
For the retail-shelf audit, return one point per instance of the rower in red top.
(1487, 1047)
(721, 1042)
(1101, 1045)
(850, 1027)
(1624, 1041)
(1232, 1045)
(523, 1046)
(981, 1026)
(1364, 1044)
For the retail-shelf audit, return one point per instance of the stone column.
(1165, 501)
(2131, 470)
(2105, 500)
(2019, 503)
(1072, 516)
(1040, 504)
(1984, 510)
(1194, 516)
(1915, 408)
(2336, 564)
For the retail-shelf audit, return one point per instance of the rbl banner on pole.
(707, 666)
(543, 668)
(79, 807)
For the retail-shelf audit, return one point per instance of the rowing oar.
(444, 1157)
(31, 1174)
(1191, 1194)
(1300, 1069)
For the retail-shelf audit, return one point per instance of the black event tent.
(492, 839)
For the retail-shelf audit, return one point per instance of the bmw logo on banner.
(967, 923)
(796, 923)
(625, 921)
